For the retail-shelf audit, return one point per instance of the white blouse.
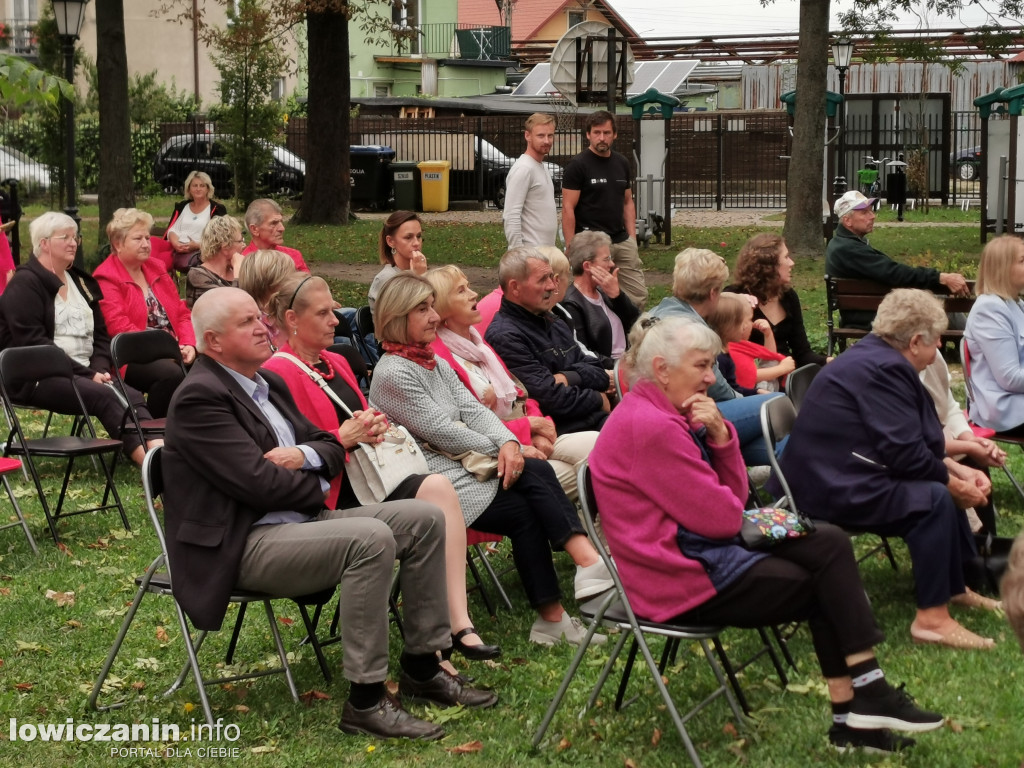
(73, 324)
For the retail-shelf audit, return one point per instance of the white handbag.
(374, 470)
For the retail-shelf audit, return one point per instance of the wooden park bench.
(844, 294)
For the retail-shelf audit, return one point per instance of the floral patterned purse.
(765, 527)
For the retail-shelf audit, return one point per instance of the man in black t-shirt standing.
(597, 195)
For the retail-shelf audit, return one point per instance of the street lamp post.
(69, 15)
(842, 53)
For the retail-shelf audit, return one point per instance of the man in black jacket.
(539, 349)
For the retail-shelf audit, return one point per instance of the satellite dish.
(563, 59)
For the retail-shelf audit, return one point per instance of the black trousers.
(536, 516)
(158, 380)
(813, 578)
(55, 394)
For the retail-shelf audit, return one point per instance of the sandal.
(959, 637)
(972, 599)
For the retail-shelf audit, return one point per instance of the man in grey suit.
(245, 476)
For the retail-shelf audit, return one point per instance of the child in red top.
(733, 320)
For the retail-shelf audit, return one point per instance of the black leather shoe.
(445, 690)
(474, 652)
(387, 720)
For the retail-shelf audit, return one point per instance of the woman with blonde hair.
(220, 252)
(993, 347)
(260, 274)
(139, 295)
(484, 374)
(189, 219)
(698, 279)
(520, 497)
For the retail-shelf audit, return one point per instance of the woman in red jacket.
(139, 294)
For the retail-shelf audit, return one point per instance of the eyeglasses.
(76, 238)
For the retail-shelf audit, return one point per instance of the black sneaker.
(880, 742)
(889, 707)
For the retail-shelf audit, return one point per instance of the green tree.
(250, 63)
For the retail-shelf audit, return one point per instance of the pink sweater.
(311, 400)
(650, 478)
(124, 306)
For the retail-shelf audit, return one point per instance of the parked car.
(966, 164)
(31, 174)
(466, 159)
(182, 154)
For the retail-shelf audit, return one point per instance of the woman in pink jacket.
(671, 486)
(139, 294)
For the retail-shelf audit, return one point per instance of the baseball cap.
(853, 201)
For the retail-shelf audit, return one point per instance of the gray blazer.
(995, 340)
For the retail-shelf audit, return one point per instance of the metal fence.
(716, 160)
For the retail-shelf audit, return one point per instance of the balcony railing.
(458, 41)
(18, 36)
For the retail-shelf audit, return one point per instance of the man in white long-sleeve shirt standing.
(530, 214)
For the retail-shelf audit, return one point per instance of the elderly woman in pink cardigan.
(674, 535)
(478, 367)
(303, 310)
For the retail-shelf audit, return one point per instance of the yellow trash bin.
(434, 175)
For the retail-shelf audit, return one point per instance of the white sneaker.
(568, 628)
(592, 580)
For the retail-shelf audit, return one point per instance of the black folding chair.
(157, 579)
(777, 418)
(613, 607)
(142, 348)
(799, 381)
(23, 365)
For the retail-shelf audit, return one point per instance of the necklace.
(323, 365)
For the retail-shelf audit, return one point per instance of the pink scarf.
(477, 351)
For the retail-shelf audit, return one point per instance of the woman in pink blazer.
(139, 294)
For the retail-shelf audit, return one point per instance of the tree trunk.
(116, 182)
(326, 196)
(802, 231)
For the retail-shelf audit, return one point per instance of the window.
(576, 17)
(381, 90)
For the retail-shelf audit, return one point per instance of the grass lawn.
(50, 653)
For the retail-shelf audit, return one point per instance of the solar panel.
(666, 76)
(536, 83)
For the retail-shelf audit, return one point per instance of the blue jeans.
(745, 415)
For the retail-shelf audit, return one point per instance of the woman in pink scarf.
(485, 375)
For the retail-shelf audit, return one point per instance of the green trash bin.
(406, 176)
(434, 176)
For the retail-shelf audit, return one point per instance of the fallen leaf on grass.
(263, 750)
(563, 745)
(656, 737)
(313, 695)
(392, 687)
(5, 591)
(23, 647)
(61, 598)
(955, 727)
(23, 686)
(629, 763)
(730, 730)
(161, 634)
(467, 748)
(100, 543)
(72, 624)
(138, 685)
(64, 548)
(286, 621)
(241, 708)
